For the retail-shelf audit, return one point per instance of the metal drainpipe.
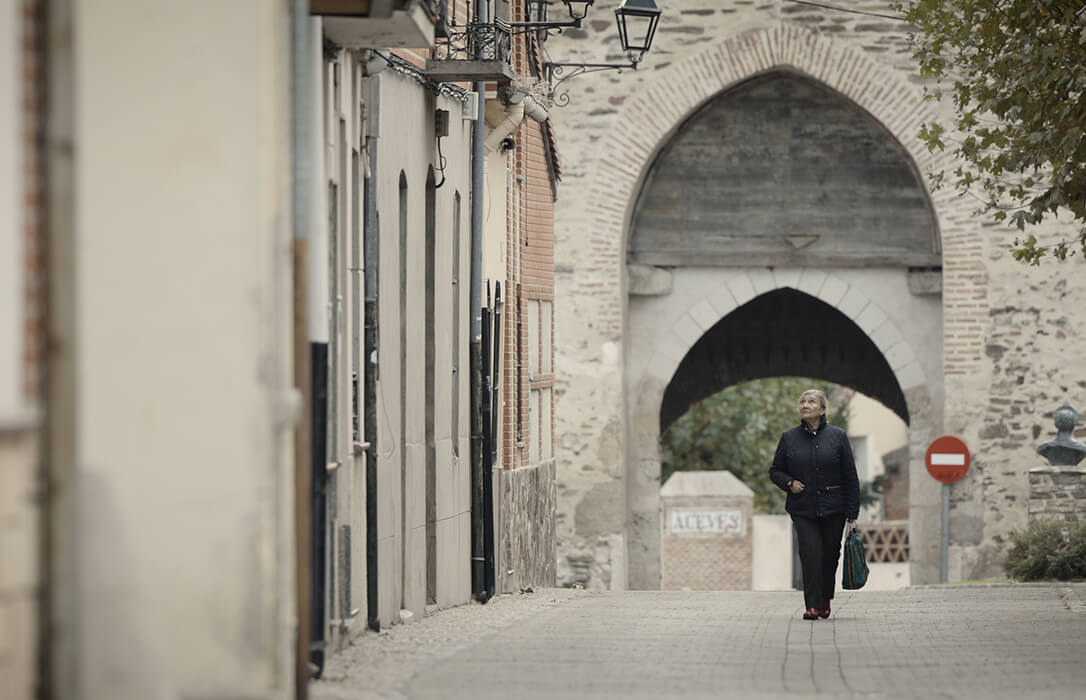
(475, 289)
(370, 341)
(479, 516)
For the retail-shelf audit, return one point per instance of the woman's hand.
(796, 486)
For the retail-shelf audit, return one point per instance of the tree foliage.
(1016, 72)
(738, 429)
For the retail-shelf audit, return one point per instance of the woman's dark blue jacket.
(822, 461)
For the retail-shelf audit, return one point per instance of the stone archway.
(604, 375)
(782, 332)
(719, 332)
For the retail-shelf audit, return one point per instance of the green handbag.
(854, 570)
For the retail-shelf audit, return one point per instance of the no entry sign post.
(947, 460)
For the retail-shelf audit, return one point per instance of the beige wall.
(404, 140)
(11, 189)
(341, 81)
(178, 370)
(772, 560)
(869, 417)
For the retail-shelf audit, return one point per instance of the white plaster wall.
(183, 530)
(869, 417)
(341, 315)
(497, 219)
(772, 553)
(499, 177)
(405, 143)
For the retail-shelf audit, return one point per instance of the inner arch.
(784, 332)
(783, 170)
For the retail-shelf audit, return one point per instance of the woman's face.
(810, 408)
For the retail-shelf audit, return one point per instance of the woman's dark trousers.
(819, 549)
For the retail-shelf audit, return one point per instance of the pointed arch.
(781, 169)
(673, 345)
(647, 121)
(780, 333)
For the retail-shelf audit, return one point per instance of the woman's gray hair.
(815, 392)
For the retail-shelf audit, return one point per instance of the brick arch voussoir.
(646, 122)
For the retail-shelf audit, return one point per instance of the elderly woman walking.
(814, 465)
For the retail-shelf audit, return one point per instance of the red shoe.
(825, 611)
(811, 614)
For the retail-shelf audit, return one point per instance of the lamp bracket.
(517, 28)
(559, 72)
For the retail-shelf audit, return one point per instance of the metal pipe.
(478, 515)
(493, 370)
(944, 536)
(370, 350)
(475, 352)
(485, 443)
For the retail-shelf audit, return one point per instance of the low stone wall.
(1057, 494)
(527, 550)
(720, 560)
(706, 532)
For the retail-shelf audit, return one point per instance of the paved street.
(979, 641)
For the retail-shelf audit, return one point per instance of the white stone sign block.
(706, 522)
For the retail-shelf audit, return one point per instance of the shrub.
(1048, 550)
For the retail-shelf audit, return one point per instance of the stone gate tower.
(754, 201)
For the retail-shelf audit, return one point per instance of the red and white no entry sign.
(947, 459)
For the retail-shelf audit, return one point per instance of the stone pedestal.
(706, 540)
(1057, 493)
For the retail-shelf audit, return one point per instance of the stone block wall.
(1057, 494)
(526, 542)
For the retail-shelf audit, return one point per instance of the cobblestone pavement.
(979, 641)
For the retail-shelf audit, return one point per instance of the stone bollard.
(1058, 492)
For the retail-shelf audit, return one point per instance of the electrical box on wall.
(471, 107)
(441, 123)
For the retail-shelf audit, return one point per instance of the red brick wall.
(530, 277)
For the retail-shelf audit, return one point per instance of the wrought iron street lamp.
(487, 44)
(637, 20)
(578, 9)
